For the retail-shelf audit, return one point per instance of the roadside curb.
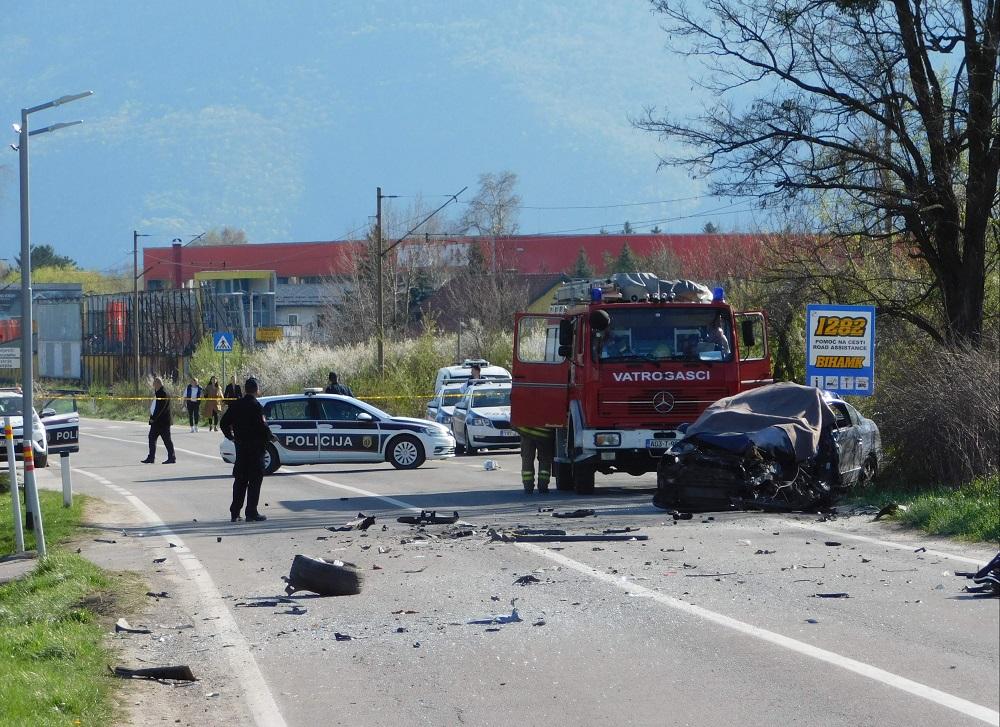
(17, 565)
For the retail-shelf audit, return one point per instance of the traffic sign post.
(222, 341)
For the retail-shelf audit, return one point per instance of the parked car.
(481, 419)
(442, 406)
(462, 373)
(778, 447)
(314, 428)
(10, 406)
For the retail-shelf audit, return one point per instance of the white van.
(452, 374)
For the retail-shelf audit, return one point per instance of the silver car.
(329, 428)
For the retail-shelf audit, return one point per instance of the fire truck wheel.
(583, 478)
(564, 476)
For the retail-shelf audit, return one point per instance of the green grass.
(53, 662)
(969, 512)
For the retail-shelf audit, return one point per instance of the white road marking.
(216, 457)
(260, 702)
(886, 543)
(964, 706)
(917, 689)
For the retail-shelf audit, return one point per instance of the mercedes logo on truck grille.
(663, 402)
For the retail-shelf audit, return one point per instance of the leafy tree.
(879, 118)
(44, 256)
(656, 230)
(582, 267)
(627, 229)
(223, 236)
(710, 228)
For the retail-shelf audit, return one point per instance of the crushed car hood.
(783, 418)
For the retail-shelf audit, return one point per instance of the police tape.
(92, 397)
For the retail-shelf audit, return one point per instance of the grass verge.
(968, 512)
(53, 662)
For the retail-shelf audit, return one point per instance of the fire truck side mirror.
(747, 329)
(565, 333)
(599, 320)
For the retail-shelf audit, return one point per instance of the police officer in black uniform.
(335, 387)
(244, 423)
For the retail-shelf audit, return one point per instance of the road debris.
(294, 611)
(920, 550)
(342, 637)
(429, 518)
(514, 617)
(521, 536)
(526, 580)
(404, 611)
(765, 552)
(619, 531)
(159, 560)
(582, 512)
(104, 540)
(831, 595)
(987, 578)
(707, 575)
(891, 509)
(832, 543)
(159, 673)
(161, 594)
(491, 465)
(362, 522)
(122, 626)
(326, 579)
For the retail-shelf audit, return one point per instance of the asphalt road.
(709, 622)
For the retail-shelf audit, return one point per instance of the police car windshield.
(491, 397)
(10, 406)
(663, 333)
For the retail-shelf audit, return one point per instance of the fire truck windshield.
(665, 333)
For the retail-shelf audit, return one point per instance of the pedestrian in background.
(211, 396)
(335, 387)
(160, 419)
(192, 400)
(232, 393)
(536, 442)
(244, 423)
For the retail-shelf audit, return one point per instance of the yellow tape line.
(88, 397)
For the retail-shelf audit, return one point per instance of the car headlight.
(607, 439)
(480, 422)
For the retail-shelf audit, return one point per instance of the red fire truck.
(619, 364)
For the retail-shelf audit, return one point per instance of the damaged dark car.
(780, 447)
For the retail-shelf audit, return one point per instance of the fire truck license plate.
(658, 443)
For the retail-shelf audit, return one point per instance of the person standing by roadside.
(232, 393)
(536, 441)
(211, 396)
(192, 399)
(160, 419)
(244, 423)
(335, 387)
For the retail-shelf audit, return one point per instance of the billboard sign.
(840, 348)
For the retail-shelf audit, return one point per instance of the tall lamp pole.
(27, 336)
(379, 311)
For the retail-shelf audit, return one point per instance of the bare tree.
(493, 212)
(880, 116)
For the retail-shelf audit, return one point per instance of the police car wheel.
(405, 452)
(469, 449)
(42, 460)
(271, 460)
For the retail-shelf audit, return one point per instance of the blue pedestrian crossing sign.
(223, 341)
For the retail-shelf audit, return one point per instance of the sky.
(281, 119)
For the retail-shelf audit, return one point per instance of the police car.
(10, 406)
(316, 428)
(481, 418)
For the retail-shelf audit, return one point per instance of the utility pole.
(379, 332)
(135, 306)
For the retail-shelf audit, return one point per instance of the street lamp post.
(27, 337)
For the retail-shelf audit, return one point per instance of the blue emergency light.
(596, 295)
(718, 295)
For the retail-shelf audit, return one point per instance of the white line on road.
(950, 701)
(944, 699)
(260, 702)
(218, 458)
(886, 543)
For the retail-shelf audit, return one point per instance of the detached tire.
(271, 460)
(405, 452)
(326, 579)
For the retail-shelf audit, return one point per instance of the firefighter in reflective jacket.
(536, 441)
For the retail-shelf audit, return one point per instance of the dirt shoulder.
(179, 635)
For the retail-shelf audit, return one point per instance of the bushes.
(939, 414)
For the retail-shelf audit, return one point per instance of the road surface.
(712, 621)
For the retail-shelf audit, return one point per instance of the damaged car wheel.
(319, 576)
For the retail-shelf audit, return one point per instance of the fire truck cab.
(619, 365)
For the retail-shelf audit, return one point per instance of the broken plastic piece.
(123, 626)
(178, 673)
(429, 518)
(582, 512)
